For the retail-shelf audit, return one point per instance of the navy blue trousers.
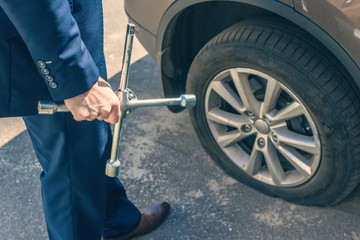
(80, 201)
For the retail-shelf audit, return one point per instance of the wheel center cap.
(262, 126)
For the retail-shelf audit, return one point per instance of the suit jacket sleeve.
(53, 39)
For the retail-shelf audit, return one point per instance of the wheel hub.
(262, 126)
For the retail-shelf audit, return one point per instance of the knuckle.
(115, 104)
(85, 115)
(81, 116)
(112, 121)
(77, 117)
(117, 118)
(93, 115)
(105, 111)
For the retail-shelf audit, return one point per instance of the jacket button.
(49, 78)
(45, 71)
(41, 64)
(53, 84)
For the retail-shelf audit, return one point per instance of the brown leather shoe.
(151, 218)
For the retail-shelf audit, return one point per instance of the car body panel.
(339, 18)
(288, 2)
(150, 17)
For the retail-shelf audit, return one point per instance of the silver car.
(277, 84)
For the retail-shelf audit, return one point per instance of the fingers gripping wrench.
(128, 102)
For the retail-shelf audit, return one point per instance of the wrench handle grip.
(49, 107)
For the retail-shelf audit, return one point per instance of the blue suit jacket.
(49, 49)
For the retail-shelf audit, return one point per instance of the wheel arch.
(186, 27)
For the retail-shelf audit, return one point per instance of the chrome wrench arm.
(185, 100)
(113, 164)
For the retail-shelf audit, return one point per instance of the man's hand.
(100, 102)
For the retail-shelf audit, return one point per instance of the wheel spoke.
(226, 93)
(296, 140)
(232, 137)
(242, 85)
(272, 94)
(291, 111)
(273, 163)
(253, 165)
(229, 119)
(301, 164)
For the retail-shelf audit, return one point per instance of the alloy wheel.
(262, 127)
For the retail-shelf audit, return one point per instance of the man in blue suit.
(53, 49)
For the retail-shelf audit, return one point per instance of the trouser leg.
(77, 196)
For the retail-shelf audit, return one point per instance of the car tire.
(277, 112)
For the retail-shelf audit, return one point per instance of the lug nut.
(131, 95)
(250, 114)
(275, 138)
(261, 142)
(246, 128)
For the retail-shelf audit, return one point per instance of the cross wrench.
(128, 102)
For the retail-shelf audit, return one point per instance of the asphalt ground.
(162, 159)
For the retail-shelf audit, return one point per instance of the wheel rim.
(262, 127)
